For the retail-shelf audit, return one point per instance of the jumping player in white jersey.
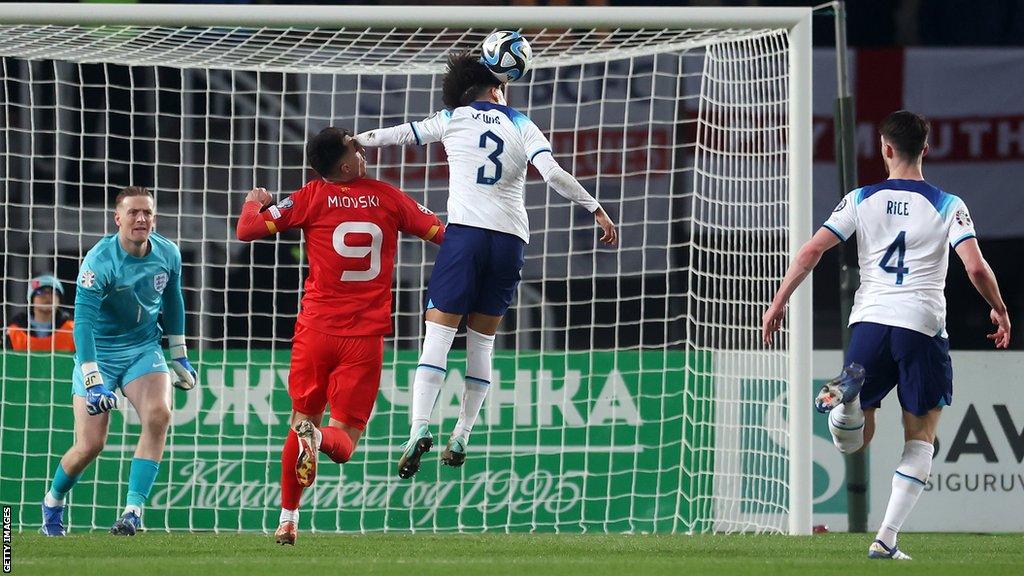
(905, 228)
(478, 267)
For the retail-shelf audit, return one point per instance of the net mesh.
(630, 393)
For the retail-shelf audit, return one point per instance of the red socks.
(336, 443)
(291, 490)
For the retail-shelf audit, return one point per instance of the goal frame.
(796, 20)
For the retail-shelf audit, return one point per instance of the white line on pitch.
(492, 449)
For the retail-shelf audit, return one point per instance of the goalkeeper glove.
(98, 399)
(185, 376)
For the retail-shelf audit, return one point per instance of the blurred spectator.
(46, 326)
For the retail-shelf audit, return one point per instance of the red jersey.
(351, 232)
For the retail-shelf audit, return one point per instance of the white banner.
(977, 477)
(974, 99)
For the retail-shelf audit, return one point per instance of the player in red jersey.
(351, 226)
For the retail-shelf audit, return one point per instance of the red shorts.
(340, 371)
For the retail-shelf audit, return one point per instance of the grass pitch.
(153, 554)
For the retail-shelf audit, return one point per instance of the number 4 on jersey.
(899, 249)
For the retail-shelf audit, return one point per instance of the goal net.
(631, 390)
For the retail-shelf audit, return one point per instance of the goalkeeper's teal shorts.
(120, 369)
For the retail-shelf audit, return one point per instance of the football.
(507, 55)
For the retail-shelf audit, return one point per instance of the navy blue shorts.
(891, 355)
(476, 270)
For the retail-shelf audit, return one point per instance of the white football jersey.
(488, 147)
(905, 229)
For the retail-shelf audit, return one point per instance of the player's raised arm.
(252, 225)
(568, 187)
(423, 132)
(261, 218)
(985, 283)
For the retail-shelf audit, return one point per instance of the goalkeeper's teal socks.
(61, 485)
(140, 482)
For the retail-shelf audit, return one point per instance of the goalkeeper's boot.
(127, 525)
(455, 454)
(309, 447)
(879, 551)
(419, 444)
(286, 533)
(53, 521)
(840, 389)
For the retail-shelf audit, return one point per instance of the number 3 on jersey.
(348, 251)
(898, 248)
(499, 146)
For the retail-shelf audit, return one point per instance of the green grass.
(151, 554)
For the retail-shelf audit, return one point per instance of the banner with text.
(978, 465)
(567, 441)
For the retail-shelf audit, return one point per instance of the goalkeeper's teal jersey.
(119, 298)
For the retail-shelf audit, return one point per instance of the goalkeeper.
(126, 281)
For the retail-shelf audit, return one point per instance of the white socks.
(430, 373)
(479, 350)
(907, 484)
(136, 509)
(846, 423)
(50, 501)
(289, 516)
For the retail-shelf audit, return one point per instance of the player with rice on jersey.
(478, 267)
(905, 228)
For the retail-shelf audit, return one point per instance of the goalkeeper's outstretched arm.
(568, 187)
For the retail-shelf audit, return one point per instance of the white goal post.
(633, 394)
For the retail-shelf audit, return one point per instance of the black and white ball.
(507, 55)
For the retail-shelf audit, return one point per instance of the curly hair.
(465, 79)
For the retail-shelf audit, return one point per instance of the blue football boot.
(840, 389)
(53, 521)
(127, 525)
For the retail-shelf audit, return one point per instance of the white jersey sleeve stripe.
(539, 151)
(843, 220)
(415, 133)
(967, 236)
(834, 231)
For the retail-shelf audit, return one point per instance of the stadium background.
(892, 44)
(900, 51)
